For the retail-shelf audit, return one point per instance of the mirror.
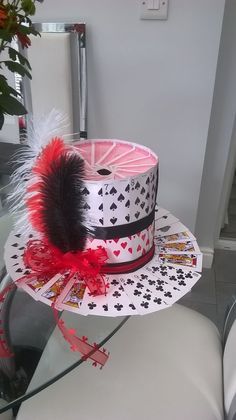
(60, 51)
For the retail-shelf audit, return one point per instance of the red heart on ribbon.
(139, 248)
(124, 244)
(130, 250)
(116, 253)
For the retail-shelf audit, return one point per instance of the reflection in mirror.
(58, 60)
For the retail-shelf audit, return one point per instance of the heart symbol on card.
(124, 244)
(116, 253)
(116, 240)
(139, 248)
(130, 250)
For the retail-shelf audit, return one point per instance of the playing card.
(176, 237)
(115, 303)
(147, 294)
(188, 247)
(169, 229)
(165, 221)
(179, 277)
(52, 291)
(160, 212)
(72, 296)
(193, 261)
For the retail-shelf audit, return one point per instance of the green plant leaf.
(1, 120)
(14, 54)
(28, 7)
(5, 88)
(11, 105)
(15, 67)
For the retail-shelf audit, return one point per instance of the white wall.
(221, 146)
(152, 82)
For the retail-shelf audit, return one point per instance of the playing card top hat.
(120, 187)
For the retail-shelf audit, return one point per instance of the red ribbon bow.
(45, 260)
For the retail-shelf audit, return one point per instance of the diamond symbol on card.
(113, 191)
(113, 220)
(113, 207)
(121, 198)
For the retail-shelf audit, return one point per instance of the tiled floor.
(216, 289)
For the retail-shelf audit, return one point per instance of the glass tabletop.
(40, 354)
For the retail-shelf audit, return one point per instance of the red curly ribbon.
(45, 261)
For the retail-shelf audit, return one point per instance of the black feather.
(63, 213)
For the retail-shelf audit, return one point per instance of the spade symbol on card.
(14, 256)
(100, 207)
(148, 180)
(15, 244)
(101, 221)
(18, 235)
(100, 191)
(113, 191)
(142, 204)
(121, 198)
(127, 204)
(19, 270)
(127, 189)
(113, 206)
(137, 185)
(86, 206)
(147, 210)
(137, 214)
(85, 191)
(142, 191)
(137, 201)
(127, 218)
(147, 196)
(113, 220)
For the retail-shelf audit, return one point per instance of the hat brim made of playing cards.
(171, 273)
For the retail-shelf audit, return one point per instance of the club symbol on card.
(151, 282)
(127, 204)
(159, 288)
(118, 306)
(188, 276)
(127, 189)
(165, 217)
(145, 305)
(143, 191)
(147, 296)
(137, 292)
(113, 220)
(113, 191)
(114, 282)
(144, 276)
(116, 294)
(131, 305)
(168, 294)
(121, 198)
(139, 286)
(130, 281)
(137, 201)
(113, 207)
(105, 308)
(157, 300)
(127, 218)
(100, 207)
(182, 283)
(85, 191)
(92, 305)
(137, 185)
